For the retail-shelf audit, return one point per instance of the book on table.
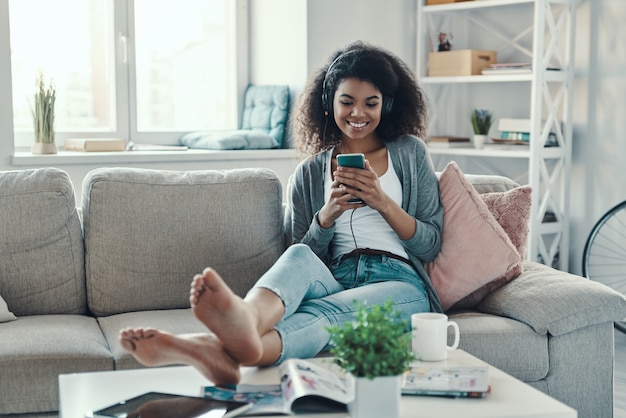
(307, 387)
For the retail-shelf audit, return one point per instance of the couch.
(73, 277)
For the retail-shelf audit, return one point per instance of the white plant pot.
(376, 398)
(43, 148)
(479, 141)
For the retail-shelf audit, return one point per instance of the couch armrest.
(555, 302)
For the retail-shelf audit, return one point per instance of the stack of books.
(517, 131)
(508, 68)
(514, 130)
(448, 141)
(511, 68)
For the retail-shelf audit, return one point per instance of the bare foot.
(231, 319)
(203, 351)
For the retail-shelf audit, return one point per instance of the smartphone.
(356, 160)
(165, 405)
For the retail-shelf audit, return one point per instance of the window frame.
(125, 82)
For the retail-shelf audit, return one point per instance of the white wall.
(333, 24)
(277, 44)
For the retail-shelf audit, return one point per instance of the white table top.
(509, 397)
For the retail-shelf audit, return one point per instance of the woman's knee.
(298, 251)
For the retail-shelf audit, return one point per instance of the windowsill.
(26, 158)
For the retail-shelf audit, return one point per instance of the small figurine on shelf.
(482, 120)
(441, 41)
(444, 42)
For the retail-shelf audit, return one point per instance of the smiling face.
(357, 108)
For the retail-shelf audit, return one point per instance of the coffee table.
(509, 397)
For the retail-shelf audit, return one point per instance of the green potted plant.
(375, 349)
(482, 120)
(43, 117)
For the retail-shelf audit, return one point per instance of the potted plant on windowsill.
(481, 123)
(375, 349)
(43, 118)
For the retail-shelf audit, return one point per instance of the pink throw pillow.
(512, 211)
(475, 249)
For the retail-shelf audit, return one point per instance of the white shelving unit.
(540, 32)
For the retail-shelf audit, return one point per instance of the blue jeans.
(316, 296)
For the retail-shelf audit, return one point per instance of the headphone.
(327, 102)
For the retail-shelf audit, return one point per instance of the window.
(145, 70)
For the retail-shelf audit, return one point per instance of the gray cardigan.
(420, 198)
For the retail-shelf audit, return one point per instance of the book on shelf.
(304, 387)
(511, 68)
(514, 125)
(520, 136)
(94, 144)
(456, 382)
(505, 71)
(448, 141)
(508, 68)
(518, 129)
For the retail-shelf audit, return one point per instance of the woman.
(365, 101)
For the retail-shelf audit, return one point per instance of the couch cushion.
(229, 140)
(475, 250)
(148, 232)
(509, 345)
(174, 321)
(555, 302)
(512, 211)
(41, 247)
(34, 350)
(489, 183)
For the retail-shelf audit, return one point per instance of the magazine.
(304, 387)
(463, 381)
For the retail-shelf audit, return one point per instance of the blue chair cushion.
(266, 109)
(265, 114)
(229, 140)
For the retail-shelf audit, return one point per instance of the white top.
(366, 226)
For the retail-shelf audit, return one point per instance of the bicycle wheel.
(604, 256)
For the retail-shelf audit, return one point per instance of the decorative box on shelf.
(429, 2)
(460, 62)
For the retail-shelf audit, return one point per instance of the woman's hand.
(336, 205)
(362, 184)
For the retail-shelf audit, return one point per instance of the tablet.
(165, 405)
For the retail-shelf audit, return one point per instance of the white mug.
(430, 336)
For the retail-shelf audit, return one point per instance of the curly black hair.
(315, 130)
